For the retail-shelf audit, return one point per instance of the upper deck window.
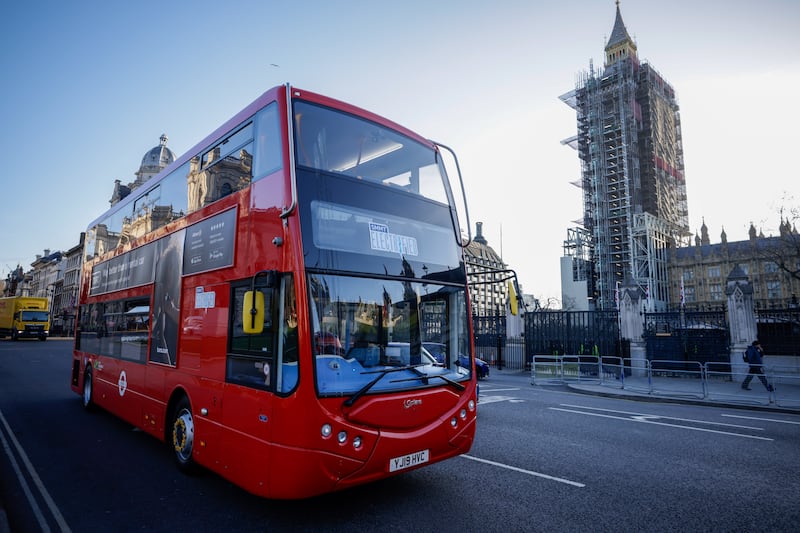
(210, 175)
(332, 141)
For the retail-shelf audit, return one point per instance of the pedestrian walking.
(755, 358)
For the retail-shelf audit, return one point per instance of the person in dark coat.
(755, 358)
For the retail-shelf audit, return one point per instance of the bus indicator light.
(327, 430)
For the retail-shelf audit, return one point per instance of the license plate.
(407, 461)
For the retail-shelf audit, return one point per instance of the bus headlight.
(357, 443)
(471, 405)
(342, 437)
(326, 430)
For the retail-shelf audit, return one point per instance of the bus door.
(261, 362)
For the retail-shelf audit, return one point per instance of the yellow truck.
(24, 317)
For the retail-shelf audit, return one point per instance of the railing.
(674, 379)
(511, 354)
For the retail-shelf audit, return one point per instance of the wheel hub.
(183, 435)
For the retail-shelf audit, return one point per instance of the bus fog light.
(357, 443)
(471, 405)
(326, 430)
(342, 437)
(463, 414)
(453, 422)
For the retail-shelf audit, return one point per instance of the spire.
(704, 233)
(619, 45)
(479, 238)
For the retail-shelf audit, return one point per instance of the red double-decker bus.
(263, 304)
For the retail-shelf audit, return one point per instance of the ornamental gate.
(572, 333)
(779, 330)
(701, 336)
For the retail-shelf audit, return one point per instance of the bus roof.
(267, 97)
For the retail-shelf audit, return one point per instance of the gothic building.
(632, 176)
(698, 273)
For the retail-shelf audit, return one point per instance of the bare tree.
(784, 250)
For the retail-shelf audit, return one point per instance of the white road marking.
(484, 399)
(523, 471)
(764, 419)
(34, 477)
(644, 419)
(644, 415)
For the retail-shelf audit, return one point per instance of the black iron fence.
(677, 336)
(687, 336)
(572, 332)
(779, 330)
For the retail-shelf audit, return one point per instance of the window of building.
(715, 290)
(688, 275)
(713, 272)
(770, 267)
(773, 289)
(689, 294)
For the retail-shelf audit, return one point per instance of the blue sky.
(89, 86)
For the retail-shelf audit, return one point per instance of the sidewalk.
(718, 393)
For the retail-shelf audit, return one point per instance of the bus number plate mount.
(409, 460)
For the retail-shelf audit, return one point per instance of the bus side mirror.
(512, 298)
(253, 312)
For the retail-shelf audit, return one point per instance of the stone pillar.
(631, 323)
(741, 314)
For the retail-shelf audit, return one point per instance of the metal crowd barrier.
(675, 379)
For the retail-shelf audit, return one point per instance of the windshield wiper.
(449, 381)
(363, 390)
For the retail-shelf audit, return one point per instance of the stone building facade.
(698, 273)
(56, 275)
(487, 294)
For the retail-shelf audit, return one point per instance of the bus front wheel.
(183, 436)
(88, 403)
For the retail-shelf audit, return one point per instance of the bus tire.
(182, 436)
(88, 391)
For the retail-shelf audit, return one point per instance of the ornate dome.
(159, 156)
(154, 161)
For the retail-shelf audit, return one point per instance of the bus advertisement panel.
(263, 304)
